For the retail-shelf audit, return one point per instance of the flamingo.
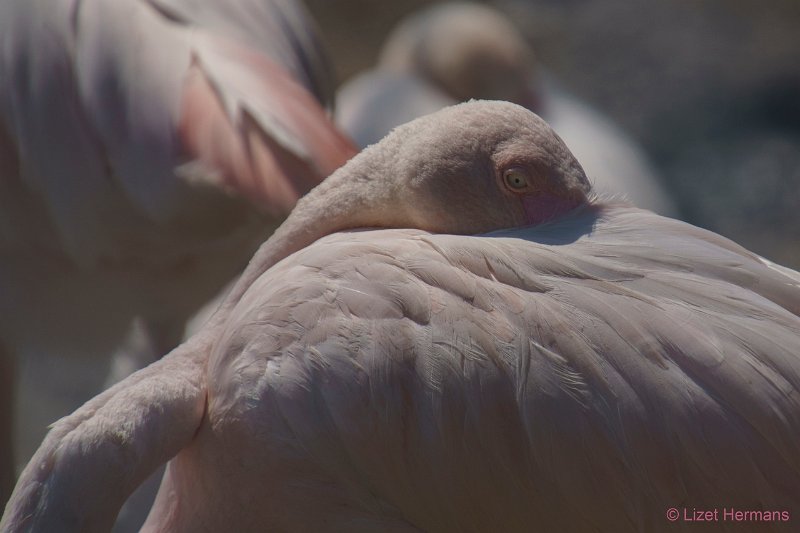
(455, 51)
(147, 147)
(453, 333)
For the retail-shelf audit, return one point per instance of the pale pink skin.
(546, 206)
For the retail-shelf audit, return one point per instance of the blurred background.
(709, 88)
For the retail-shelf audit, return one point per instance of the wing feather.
(133, 123)
(633, 382)
(94, 458)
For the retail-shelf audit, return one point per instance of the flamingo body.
(460, 370)
(583, 376)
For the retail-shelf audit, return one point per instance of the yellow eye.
(515, 179)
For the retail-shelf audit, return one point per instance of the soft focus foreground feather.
(146, 149)
(278, 29)
(582, 375)
(96, 91)
(152, 149)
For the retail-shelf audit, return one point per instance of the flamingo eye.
(516, 179)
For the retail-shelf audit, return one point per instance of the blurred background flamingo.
(708, 89)
(455, 51)
(146, 149)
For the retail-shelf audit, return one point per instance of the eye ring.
(515, 179)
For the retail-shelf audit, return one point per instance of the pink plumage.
(457, 370)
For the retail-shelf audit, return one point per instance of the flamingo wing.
(95, 458)
(584, 375)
